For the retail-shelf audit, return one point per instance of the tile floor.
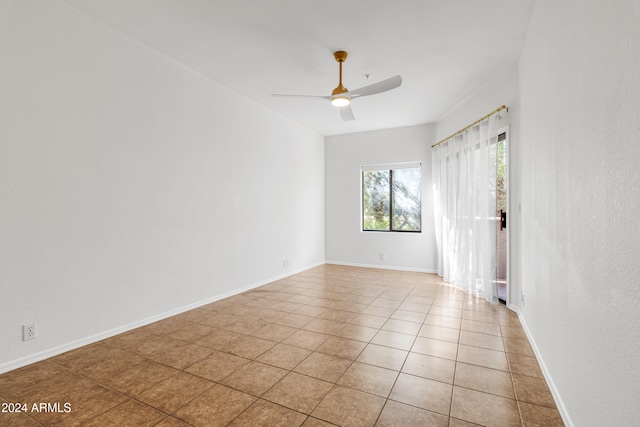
(333, 345)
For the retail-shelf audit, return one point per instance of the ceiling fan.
(341, 97)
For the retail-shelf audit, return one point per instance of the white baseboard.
(45, 354)
(547, 375)
(383, 267)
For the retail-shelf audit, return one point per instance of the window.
(391, 197)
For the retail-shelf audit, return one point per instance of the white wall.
(503, 90)
(580, 110)
(345, 241)
(132, 186)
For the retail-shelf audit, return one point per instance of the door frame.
(507, 131)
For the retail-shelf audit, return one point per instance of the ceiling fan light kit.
(342, 97)
(340, 101)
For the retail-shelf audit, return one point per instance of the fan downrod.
(340, 56)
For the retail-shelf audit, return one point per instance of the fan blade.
(280, 95)
(347, 113)
(383, 86)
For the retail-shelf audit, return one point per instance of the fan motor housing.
(340, 89)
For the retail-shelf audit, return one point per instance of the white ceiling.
(445, 50)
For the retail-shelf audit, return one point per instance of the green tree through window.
(391, 199)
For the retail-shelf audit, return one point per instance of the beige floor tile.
(397, 414)
(419, 299)
(249, 347)
(300, 299)
(454, 422)
(310, 310)
(164, 326)
(314, 422)
(267, 414)
(272, 316)
(483, 408)
(23, 378)
(306, 339)
(359, 299)
(533, 390)
(298, 392)
(452, 294)
(16, 419)
(171, 422)
(349, 407)
(513, 330)
(491, 342)
(293, 320)
(479, 304)
(484, 379)
(446, 311)
(173, 352)
(130, 341)
(191, 332)
(435, 368)
(518, 346)
(387, 303)
(524, 365)
(219, 320)
(415, 307)
(217, 366)
(174, 392)
(394, 339)
(442, 321)
(370, 379)
(286, 306)
(481, 327)
(439, 333)
(86, 358)
(483, 357)
(356, 332)
(217, 406)
(254, 378)
(273, 332)
(480, 316)
(284, 356)
(218, 339)
(402, 326)
(323, 326)
(323, 366)
(86, 398)
(424, 393)
(438, 348)
(128, 413)
(443, 302)
(539, 416)
(341, 314)
(368, 320)
(342, 347)
(373, 310)
(384, 357)
(409, 316)
(135, 377)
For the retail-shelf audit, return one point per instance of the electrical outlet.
(381, 256)
(285, 262)
(29, 332)
(522, 298)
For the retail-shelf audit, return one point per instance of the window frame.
(390, 168)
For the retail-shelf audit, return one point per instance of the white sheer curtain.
(464, 184)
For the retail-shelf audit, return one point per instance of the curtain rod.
(500, 108)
